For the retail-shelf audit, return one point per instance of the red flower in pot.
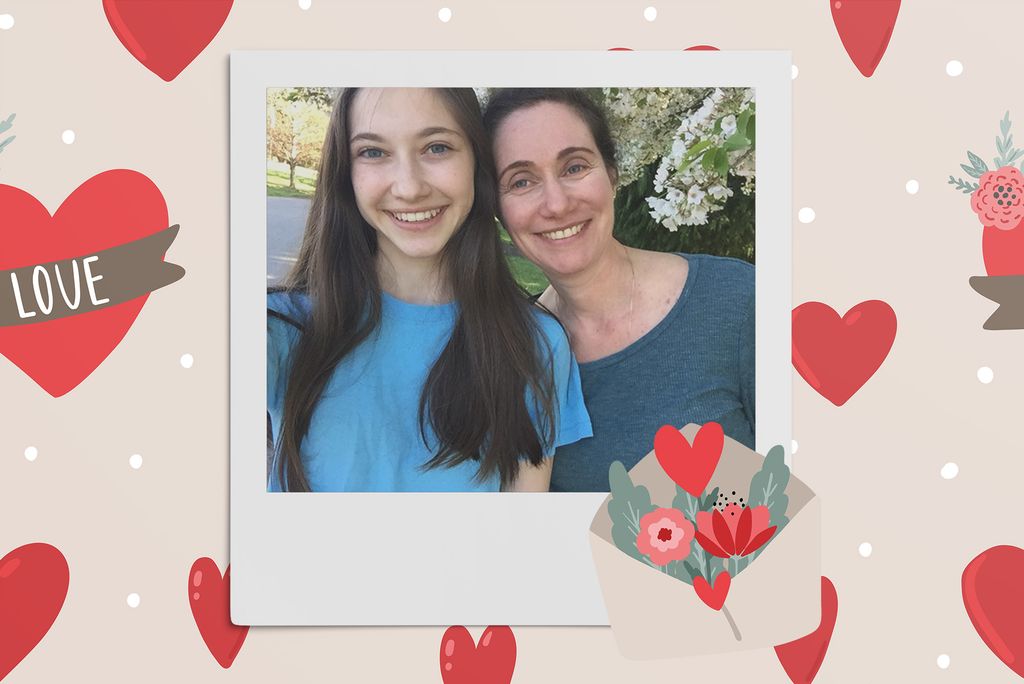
(999, 204)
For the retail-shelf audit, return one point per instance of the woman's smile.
(565, 234)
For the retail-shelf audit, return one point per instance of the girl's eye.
(438, 148)
(371, 153)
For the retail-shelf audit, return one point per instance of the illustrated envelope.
(776, 599)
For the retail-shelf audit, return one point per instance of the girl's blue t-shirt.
(365, 432)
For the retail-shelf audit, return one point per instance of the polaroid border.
(471, 559)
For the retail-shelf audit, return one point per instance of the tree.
(295, 133)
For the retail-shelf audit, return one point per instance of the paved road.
(286, 219)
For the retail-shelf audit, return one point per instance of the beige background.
(874, 462)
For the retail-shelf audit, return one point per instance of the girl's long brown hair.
(475, 398)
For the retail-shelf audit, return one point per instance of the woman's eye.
(575, 168)
(519, 184)
(371, 153)
(438, 148)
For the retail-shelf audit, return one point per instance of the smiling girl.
(401, 355)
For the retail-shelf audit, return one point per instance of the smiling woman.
(401, 356)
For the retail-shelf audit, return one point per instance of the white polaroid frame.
(463, 558)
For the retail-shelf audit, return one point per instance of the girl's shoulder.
(290, 306)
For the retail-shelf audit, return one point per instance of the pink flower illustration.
(999, 199)
(665, 536)
(734, 531)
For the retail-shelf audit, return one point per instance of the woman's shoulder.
(724, 269)
(290, 306)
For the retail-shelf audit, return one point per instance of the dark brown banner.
(1008, 293)
(46, 292)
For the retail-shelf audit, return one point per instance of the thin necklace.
(632, 291)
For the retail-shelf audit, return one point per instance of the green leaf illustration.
(970, 171)
(768, 486)
(4, 126)
(962, 185)
(628, 504)
(978, 162)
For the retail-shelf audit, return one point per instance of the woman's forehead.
(399, 111)
(539, 132)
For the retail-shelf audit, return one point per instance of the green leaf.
(978, 162)
(963, 185)
(970, 171)
(742, 120)
(7, 142)
(708, 162)
(709, 501)
(768, 486)
(750, 130)
(1004, 125)
(722, 162)
(627, 505)
(737, 141)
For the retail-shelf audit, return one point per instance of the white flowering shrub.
(699, 137)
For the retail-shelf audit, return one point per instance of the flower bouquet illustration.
(732, 563)
(997, 197)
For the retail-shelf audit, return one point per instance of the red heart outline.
(802, 658)
(209, 595)
(690, 467)
(715, 596)
(995, 604)
(837, 356)
(166, 35)
(492, 661)
(110, 209)
(865, 27)
(34, 582)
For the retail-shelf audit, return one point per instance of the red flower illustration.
(999, 199)
(735, 531)
(665, 535)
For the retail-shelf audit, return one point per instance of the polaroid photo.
(480, 278)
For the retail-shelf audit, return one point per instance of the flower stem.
(732, 623)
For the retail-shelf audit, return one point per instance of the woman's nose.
(409, 182)
(555, 200)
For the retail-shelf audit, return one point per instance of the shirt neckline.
(396, 308)
(694, 267)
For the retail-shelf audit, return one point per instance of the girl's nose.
(409, 183)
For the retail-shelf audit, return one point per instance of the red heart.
(802, 658)
(713, 597)
(991, 586)
(865, 27)
(836, 357)
(33, 586)
(491, 662)
(689, 467)
(166, 35)
(109, 209)
(210, 598)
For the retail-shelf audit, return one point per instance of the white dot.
(135, 461)
(305, 4)
(795, 447)
(985, 375)
(650, 13)
(133, 600)
(444, 14)
(943, 662)
(68, 136)
(796, 71)
(913, 186)
(31, 453)
(806, 215)
(187, 360)
(949, 471)
(864, 549)
(6, 21)
(954, 68)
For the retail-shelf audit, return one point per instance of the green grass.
(277, 181)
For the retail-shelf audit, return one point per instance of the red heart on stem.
(802, 658)
(865, 27)
(492, 661)
(210, 598)
(837, 356)
(690, 467)
(166, 35)
(715, 596)
(33, 585)
(991, 586)
(109, 209)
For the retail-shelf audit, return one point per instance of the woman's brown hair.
(495, 370)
